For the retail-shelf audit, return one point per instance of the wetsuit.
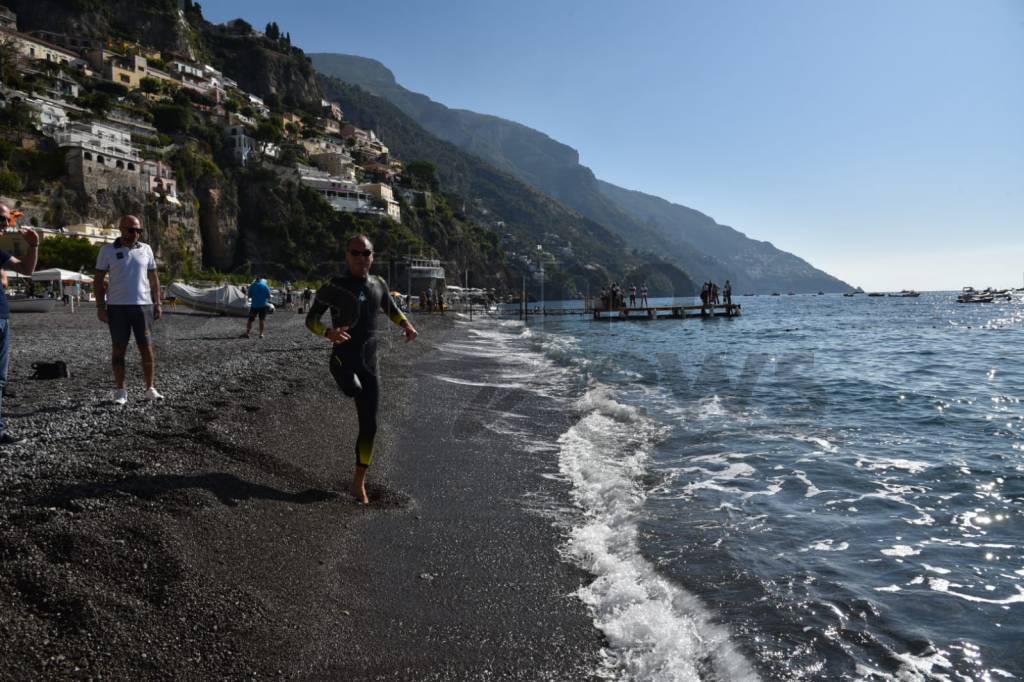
(354, 362)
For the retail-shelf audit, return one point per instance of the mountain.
(688, 238)
(588, 253)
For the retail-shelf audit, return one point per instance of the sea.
(823, 488)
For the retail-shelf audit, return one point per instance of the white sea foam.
(825, 445)
(827, 545)
(900, 551)
(884, 463)
(657, 630)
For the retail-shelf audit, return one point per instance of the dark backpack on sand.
(50, 370)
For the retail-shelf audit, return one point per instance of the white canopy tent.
(13, 274)
(58, 275)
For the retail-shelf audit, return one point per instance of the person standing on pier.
(129, 303)
(27, 266)
(643, 295)
(632, 295)
(728, 292)
(353, 300)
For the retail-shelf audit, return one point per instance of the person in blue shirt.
(25, 266)
(259, 296)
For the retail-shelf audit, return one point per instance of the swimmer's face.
(359, 256)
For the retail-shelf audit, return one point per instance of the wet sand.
(212, 535)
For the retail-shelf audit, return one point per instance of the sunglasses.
(365, 253)
(135, 230)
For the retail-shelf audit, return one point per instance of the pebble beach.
(211, 535)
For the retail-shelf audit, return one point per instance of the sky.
(881, 141)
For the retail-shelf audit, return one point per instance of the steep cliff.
(156, 23)
(264, 68)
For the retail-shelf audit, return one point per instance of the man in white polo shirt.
(129, 303)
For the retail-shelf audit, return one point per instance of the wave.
(656, 630)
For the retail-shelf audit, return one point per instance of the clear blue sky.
(882, 141)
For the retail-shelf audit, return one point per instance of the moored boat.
(223, 300)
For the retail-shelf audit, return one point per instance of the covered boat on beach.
(226, 299)
(22, 303)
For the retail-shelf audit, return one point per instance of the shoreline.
(213, 535)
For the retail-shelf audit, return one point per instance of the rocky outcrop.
(264, 70)
(218, 222)
(156, 23)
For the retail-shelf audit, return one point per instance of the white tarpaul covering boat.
(225, 300)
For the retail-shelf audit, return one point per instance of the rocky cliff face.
(218, 223)
(263, 71)
(156, 23)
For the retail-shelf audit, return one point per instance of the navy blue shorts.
(125, 320)
(258, 312)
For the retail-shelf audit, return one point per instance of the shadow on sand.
(227, 488)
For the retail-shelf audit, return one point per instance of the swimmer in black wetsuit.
(354, 358)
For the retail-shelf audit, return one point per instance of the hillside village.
(116, 113)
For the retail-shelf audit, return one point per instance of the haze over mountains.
(681, 235)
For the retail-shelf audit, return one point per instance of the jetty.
(667, 312)
(621, 313)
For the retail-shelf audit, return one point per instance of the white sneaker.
(152, 394)
(120, 396)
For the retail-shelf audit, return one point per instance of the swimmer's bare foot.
(359, 485)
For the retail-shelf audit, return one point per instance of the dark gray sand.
(212, 536)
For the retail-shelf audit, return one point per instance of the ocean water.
(824, 488)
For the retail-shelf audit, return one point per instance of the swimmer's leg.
(366, 408)
(345, 376)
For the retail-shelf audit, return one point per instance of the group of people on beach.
(709, 294)
(614, 296)
(431, 300)
(128, 301)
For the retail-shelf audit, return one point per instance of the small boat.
(849, 294)
(876, 294)
(31, 305)
(775, 293)
(821, 293)
(223, 300)
(906, 293)
(970, 295)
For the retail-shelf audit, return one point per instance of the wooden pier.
(667, 312)
(637, 313)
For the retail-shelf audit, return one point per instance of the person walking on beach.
(353, 300)
(259, 304)
(129, 303)
(25, 267)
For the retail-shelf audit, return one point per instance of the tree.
(150, 84)
(172, 119)
(272, 31)
(422, 175)
(69, 253)
(10, 183)
(98, 102)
